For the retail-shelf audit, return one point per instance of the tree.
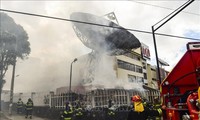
(13, 44)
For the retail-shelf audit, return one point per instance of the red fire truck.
(180, 91)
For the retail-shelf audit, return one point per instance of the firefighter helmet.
(136, 98)
(29, 99)
(67, 103)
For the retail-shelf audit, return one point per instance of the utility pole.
(168, 17)
(13, 77)
(12, 86)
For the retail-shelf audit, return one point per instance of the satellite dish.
(114, 41)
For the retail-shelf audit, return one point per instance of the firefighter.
(198, 100)
(157, 103)
(78, 112)
(198, 103)
(110, 102)
(156, 106)
(110, 114)
(19, 106)
(29, 108)
(147, 104)
(139, 112)
(67, 113)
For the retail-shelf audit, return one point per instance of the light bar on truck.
(193, 46)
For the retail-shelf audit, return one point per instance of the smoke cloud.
(54, 44)
(100, 69)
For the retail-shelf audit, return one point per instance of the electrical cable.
(164, 7)
(172, 12)
(77, 21)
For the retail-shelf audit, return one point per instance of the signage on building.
(145, 51)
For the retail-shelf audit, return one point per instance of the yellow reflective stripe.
(137, 97)
(160, 111)
(160, 89)
(67, 118)
(79, 113)
(70, 112)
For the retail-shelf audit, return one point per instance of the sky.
(54, 44)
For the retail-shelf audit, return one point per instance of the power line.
(77, 21)
(172, 14)
(164, 7)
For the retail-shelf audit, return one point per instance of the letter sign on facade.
(145, 51)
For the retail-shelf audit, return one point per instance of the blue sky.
(192, 34)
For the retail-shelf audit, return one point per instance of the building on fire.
(131, 68)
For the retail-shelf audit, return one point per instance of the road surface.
(5, 116)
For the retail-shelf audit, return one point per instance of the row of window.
(129, 66)
(133, 56)
(135, 79)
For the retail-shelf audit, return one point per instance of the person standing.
(78, 112)
(139, 112)
(29, 108)
(19, 106)
(157, 105)
(67, 113)
(110, 114)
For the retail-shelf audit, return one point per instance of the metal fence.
(100, 98)
(49, 105)
(90, 99)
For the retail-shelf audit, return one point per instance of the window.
(138, 69)
(140, 80)
(145, 75)
(132, 78)
(129, 66)
(144, 65)
(133, 56)
(132, 67)
(135, 79)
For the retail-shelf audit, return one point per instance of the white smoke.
(98, 69)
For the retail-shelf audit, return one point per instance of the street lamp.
(71, 76)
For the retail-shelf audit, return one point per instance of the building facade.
(130, 69)
(134, 68)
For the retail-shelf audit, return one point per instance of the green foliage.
(10, 27)
(13, 43)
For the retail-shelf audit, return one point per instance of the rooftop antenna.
(111, 16)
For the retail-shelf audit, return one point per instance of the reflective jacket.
(157, 107)
(19, 104)
(67, 114)
(29, 105)
(133, 115)
(111, 112)
(78, 112)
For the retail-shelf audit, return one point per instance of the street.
(5, 116)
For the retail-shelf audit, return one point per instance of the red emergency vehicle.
(180, 91)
